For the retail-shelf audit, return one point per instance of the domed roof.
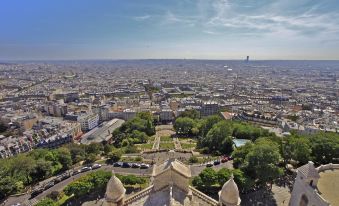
(115, 190)
(229, 194)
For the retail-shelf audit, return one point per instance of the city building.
(88, 121)
(102, 133)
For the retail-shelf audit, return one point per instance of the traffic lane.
(197, 169)
(61, 185)
(118, 170)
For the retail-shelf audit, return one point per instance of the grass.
(131, 159)
(101, 161)
(166, 145)
(166, 139)
(145, 146)
(63, 200)
(187, 146)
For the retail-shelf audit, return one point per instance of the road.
(26, 201)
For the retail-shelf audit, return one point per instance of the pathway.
(177, 143)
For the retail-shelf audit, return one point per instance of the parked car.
(65, 175)
(48, 185)
(75, 172)
(135, 165)
(96, 166)
(216, 162)
(230, 158)
(57, 179)
(117, 164)
(126, 165)
(85, 169)
(37, 191)
(144, 166)
(224, 159)
(209, 164)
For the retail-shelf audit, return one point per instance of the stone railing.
(138, 195)
(320, 198)
(330, 166)
(207, 199)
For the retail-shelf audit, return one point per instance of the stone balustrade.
(329, 166)
(138, 195)
(204, 197)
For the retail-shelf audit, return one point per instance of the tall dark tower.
(247, 58)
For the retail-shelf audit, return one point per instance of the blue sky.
(199, 29)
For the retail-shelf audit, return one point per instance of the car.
(209, 164)
(216, 162)
(85, 169)
(75, 172)
(96, 166)
(230, 158)
(16, 204)
(117, 164)
(135, 165)
(37, 191)
(144, 166)
(65, 175)
(58, 179)
(224, 159)
(48, 185)
(126, 165)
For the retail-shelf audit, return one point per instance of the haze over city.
(191, 29)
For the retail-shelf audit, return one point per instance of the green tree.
(131, 179)
(94, 148)
(190, 113)
(46, 202)
(64, 157)
(138, 137)
(184, 125)
(114, 156)
(107, 149)
(218, 139)
(325, 148)
(43, 169)
(207, 123)
(90, 158)
(21, 167)
(223, 175)
(208, 177)
(78, 152)
(197, 182)
(262, 162)
(78, 188)
(193, 159)
(7, 186)
(300, 149)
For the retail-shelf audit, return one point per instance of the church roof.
(115, 190)
(309, 171)
(229, 193)
(174, 164)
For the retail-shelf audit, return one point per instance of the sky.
(169, 29)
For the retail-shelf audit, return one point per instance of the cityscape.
(173, 103)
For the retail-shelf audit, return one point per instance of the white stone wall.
(301, 187)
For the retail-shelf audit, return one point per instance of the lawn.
(166, 145)
(145, 146)
(187, 146)
(166, 139)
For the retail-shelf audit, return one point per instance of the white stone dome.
(115, 190)
(229, 194)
